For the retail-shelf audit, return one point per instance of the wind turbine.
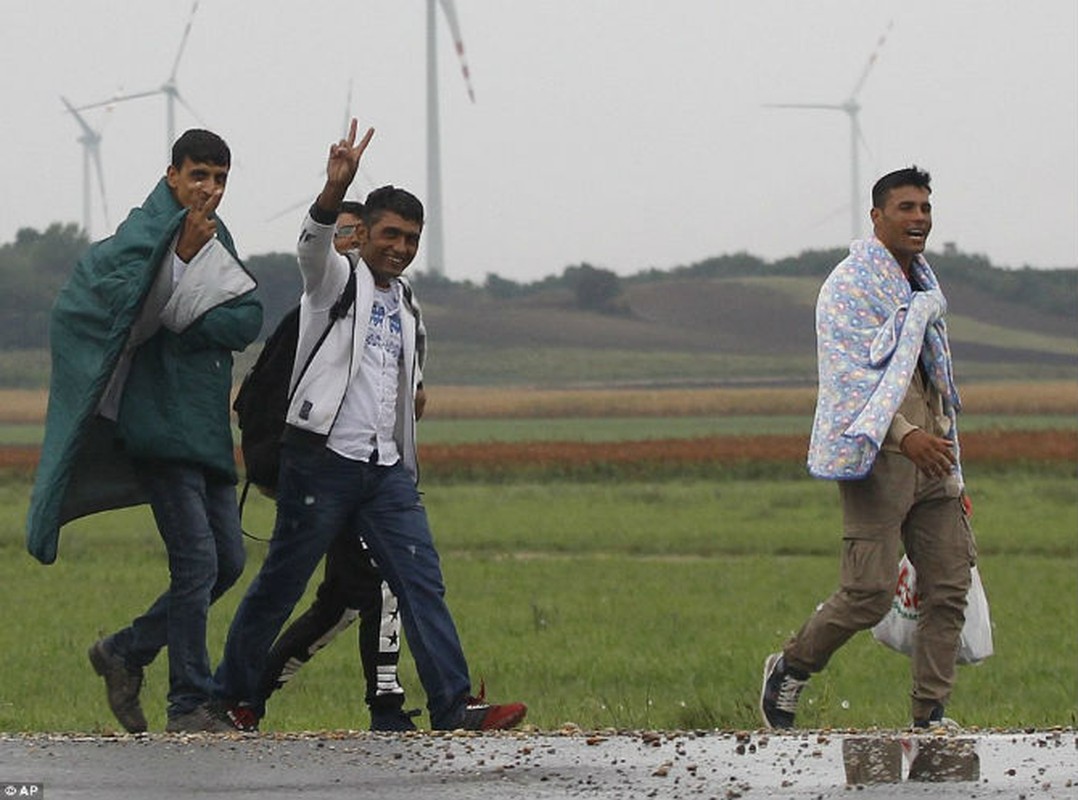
(433, 231)
(306, 201)
(169, 89)
(851, 107)
(91, 152)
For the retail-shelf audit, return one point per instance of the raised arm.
(341, 168)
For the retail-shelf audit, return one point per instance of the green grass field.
(627, 605)
(618, 429)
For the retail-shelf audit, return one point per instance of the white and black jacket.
(317, 398)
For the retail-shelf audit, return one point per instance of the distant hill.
(730, 319)
(686, 330)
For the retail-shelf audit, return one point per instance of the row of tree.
(36, 265)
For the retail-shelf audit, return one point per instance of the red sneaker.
(480, 715)
(242, 717)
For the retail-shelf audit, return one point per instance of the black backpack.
(261, 404)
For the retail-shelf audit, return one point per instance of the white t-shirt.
(369, 410)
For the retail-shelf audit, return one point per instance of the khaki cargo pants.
(897, 504)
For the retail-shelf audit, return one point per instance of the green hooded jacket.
(175, 401)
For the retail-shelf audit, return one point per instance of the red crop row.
(985, 446)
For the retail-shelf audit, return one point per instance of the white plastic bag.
(897, 629)
(976, 643)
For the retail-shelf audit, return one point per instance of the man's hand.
(199, 226)
(933, 455)
(341, 167)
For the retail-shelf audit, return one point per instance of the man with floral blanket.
(885, 429)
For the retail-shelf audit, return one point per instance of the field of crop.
(27, 406)
(475, 431)
(1050, 397)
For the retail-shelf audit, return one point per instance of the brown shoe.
(122, 686)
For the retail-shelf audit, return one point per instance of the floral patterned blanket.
(871, 328)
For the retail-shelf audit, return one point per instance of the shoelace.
(941, 724)
(479, 699)
(788, 694)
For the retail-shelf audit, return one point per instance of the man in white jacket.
(348, 458)
(352, 587)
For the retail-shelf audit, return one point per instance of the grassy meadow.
(626, 605)
(607, 603)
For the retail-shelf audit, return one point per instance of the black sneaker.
(936, 721)
(393, 719)
(122, 686)
(780, 692)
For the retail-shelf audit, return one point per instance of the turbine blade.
(842, 209)
(119, 99)
(458, 43)
(295, 206)
(864, 142)
(871, 61)
(307, 203)
(347, 111)
(829, 106)
(89, 133)
(183, 43)
(187, 105)
(95, 153)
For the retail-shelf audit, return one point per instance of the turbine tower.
(353, 189)
(91, 152)
(433, 231)
(170, 89)
(851, 107)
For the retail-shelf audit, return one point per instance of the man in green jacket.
(142, 337)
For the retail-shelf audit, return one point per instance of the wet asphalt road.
(538, 766)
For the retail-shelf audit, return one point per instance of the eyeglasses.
(345, 230)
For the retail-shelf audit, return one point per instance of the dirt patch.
(995, 447)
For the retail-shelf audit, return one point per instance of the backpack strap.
(348, 296)
(336, 311)
(243, 501)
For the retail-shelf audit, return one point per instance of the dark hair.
(390, 198)
(910, 176)
(353, 207)
(202, 147)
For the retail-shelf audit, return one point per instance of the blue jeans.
(199, 521)
(320, 495)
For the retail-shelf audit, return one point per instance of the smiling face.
(904, 222)
(389, 246)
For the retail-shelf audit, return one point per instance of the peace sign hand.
(199, 226)
(344, 157)
(341, 168)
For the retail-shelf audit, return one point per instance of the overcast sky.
(628, 134)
